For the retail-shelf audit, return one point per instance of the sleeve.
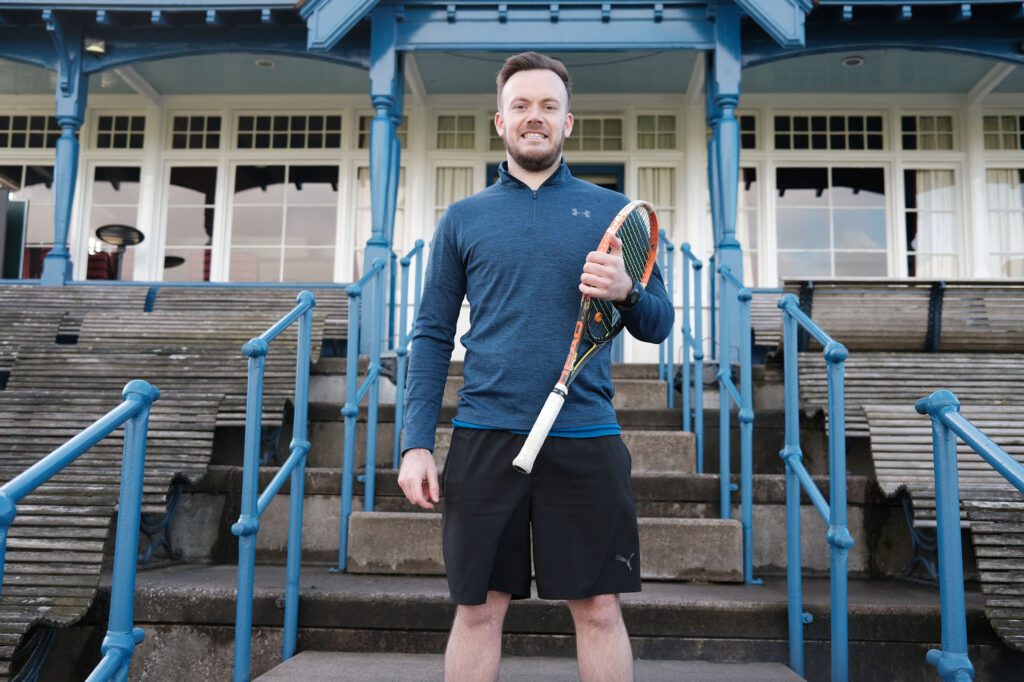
(433, 337)
(652, 317)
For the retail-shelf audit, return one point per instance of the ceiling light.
(852, 62)
(265, 63)
(95, 45)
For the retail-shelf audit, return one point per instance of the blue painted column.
(72, 93)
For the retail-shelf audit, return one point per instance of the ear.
(568, 124)
(499, 125)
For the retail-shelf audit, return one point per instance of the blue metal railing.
(404, 339)
(666, 349)
(713, 302)
(122, 637)
(833, 511)
(693, 349)
(943, 408)
(743, 397)
(354, 394)
(255, 503)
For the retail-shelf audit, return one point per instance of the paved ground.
(316, 666)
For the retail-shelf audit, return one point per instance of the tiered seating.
(21, 328)
(56, 544)
(71, 302)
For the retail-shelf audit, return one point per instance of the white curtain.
(657, 186)
(936, 242)
(453, 183)
(1006, 222)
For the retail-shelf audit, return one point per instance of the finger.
(616, 246)
(596, 281)
(599, 268)
(434, 488)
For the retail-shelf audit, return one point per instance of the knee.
(600, 612)
(490, 615)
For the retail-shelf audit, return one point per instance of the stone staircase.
(388, 618)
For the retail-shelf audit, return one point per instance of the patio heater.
(121, 236)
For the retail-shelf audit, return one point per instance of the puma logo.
(619, 557)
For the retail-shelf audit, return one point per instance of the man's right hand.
(418, 478)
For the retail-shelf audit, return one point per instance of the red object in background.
(102, 265)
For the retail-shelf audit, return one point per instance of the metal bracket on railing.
(153, 525)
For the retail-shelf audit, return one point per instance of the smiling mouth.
(534, 136)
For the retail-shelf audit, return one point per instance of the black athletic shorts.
(577, 501)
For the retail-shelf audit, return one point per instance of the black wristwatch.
(632, 298)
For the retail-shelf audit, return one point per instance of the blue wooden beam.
(783, 20)
(554, 27)
(329, 20)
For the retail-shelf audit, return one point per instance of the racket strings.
(635, 234)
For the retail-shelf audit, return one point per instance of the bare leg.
(474, 647)
(602, 645)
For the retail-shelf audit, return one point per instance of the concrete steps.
(403, 543)
(321, 666)
(188, 614)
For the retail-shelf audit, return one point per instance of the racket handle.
(523, 463)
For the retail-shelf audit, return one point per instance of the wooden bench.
(993, 510)
(902, 378)
(983, 317)
(71, 301)
(766, 320)
(18, 328)
(331, 303)
(55, 548)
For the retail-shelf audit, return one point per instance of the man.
(515, 250)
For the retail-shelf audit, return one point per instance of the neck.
(532, 179)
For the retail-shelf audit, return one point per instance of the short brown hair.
(528, 61)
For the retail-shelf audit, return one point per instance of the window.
(456, 132)
(595, 133)
(930, 197)
(829, 132)
(28, 222)
(364, 217)
(658, 187)
(748, 131)
(927, 132)
(28, 132)
(120, 132)
(831, 222)
(365, 122)
(747, 222)
(289, 132)
(656, 132)
(1004, 132)
(283, 225)
(114, 201)
(191, 198)
(1006, 221)
(195, 132)
(451, 184)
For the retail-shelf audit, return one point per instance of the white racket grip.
(523, 463)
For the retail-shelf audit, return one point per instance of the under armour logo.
(585, 213)
(619, 557)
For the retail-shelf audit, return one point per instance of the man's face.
(534, 119)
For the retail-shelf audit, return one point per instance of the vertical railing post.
(299, 448)
(373, 376)
(839, 538)
(391, 299)
(350, 411)
(724, 404)
(952, 660)
(401, 355)
(746, 419)
(249, 521)
(687, 346)
(698, 363)
(661, 265)
(670, 351)
(122, 636)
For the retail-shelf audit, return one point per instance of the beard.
(534, 162)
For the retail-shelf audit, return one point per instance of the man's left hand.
(604, 275)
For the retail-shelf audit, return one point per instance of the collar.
(559, 177)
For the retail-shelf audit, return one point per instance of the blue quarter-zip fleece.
(517, 255)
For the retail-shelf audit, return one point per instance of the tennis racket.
(599, 321)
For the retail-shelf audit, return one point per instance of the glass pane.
(40, 224)
(313, 185)
(189, 226)
(860, 264)
(255, 265)
(858, 187)
(309, 265)
(186, 265)
(863, 229)
(259, 184)
(257, 225)
(803, 228)
(192, 186)
(934, 266)
(804, 264)
(116, 185)
(802, 186)
(310, 225)
(109, 215)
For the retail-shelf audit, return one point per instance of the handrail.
(354, 394)
(666, 349)
(693, 350)
(797, 477)
(122, 637)
(254, 504)
(404, 339)
(952, 661)
(743, 397)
